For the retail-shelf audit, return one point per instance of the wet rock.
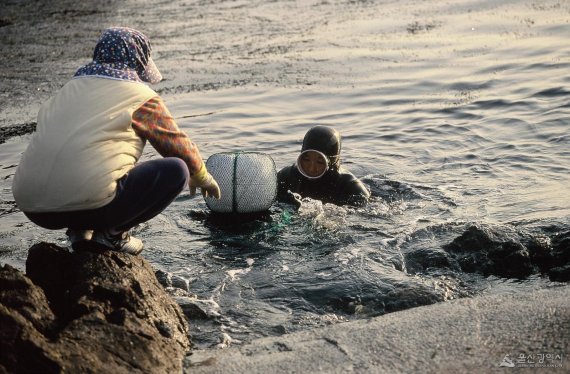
(424, 259)
(560, 274)
(417, 27)
(561, 248)
(164, 278)
(180, 282)
(88, 311)
(8, 132)
(507, 252)
(560, 271)
(397, 262)
(540, 250)
(169, 281)
(485, 250)
(409, 296)
(372, 304)
(195, 308)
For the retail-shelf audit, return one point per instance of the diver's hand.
(294, 198)
(206, 183)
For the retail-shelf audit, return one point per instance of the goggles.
(312, 164)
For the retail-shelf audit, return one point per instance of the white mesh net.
(247, 180)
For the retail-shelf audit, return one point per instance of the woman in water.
(317, 174)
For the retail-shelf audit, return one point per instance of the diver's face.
(312, 164)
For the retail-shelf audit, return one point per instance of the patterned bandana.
(122, 53)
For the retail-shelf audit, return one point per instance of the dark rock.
(27, 325)
(560, 274)
(88, 311)
(198, 309)
(17, 292)
(397, 262)
(194, 311)
(409, 296)
(8, 132)
(507, 252)
(489, 251)
(164, 277)
(540, 251)
(169, 280)
(4, 22)
(375, 302)
(51, 281)
(561, 248)
(180, 282)
(423, 259)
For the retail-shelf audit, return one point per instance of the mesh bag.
(247, 180)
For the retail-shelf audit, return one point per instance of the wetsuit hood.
(326, 140)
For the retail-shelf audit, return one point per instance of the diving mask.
(312, 164)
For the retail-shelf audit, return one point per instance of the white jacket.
(83, 144)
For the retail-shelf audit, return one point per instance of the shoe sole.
(92, 245)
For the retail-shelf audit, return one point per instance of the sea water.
(451, 114)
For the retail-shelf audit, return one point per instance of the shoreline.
(458, 336)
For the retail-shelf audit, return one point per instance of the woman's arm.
(153, 122)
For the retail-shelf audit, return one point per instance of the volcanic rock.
(88, 312)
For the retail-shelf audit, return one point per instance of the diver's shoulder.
(285, 172)
(352, 185)
(345, 175)
(286, 169)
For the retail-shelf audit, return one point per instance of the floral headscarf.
(122, 53)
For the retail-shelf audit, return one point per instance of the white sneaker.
(122, 242)
(78, 237)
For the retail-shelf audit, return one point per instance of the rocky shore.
(484, 334)
(88, 312)
(101, 311)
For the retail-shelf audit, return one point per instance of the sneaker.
(78, 238)
(122, 242)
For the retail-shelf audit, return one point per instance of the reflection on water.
(457, 116)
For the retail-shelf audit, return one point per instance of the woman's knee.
(178, 170)
(165, 175)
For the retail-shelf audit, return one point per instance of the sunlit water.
(460, 116)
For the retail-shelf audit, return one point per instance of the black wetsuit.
(334, 187)
(337, 186)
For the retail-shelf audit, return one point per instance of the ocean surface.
(452, 113)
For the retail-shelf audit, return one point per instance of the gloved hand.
(294, 198)
(206, 183)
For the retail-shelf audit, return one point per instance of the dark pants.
(143, 193)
